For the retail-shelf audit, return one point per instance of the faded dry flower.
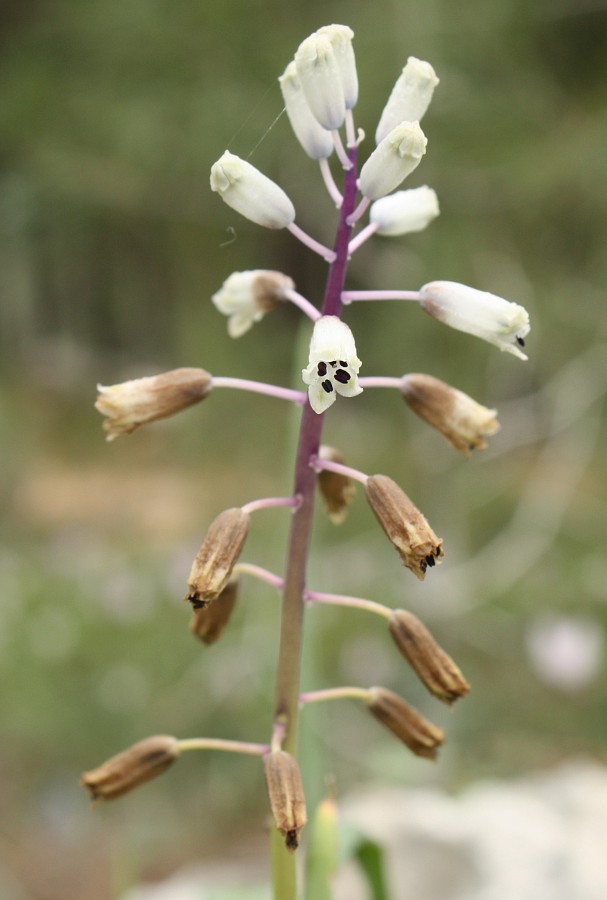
(208, 622)
(132, 767)
(212, 567)
(403, 524)
(130, 405)
(337, 490)
(464, 422)
(285, 792)
(421, 736)
(435, 668)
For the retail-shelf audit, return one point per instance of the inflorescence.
(320, 90)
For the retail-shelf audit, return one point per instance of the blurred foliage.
(111, 244)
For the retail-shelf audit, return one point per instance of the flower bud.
(403, 524)
(340, 37)
(435, 669)
(250, 193)
(319, 74)
(404, 211)
(337, 489)
(421, 736)
(208, 622)
(463, 421)
(247, 296)
(132, 404)
(132, 767)
(398, 154)
(217, 557)
(333, 364)
(410, 97)
(479, 313)
(286, 795)
(315, 140)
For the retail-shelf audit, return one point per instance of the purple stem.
(291, 629)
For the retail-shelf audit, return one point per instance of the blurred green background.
(111, 244)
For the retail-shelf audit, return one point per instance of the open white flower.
(410, 97)
(251, 193)
(404, 211)
(491, 318)
(333, 366)
(398, 154)
(247, 296)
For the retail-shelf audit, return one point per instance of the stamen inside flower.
(342, 376)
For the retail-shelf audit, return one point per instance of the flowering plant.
(320, 91)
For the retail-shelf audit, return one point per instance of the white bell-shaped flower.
(398, 154)
(341, 41)
(250, 193)
(404, 211)
(320, 77)
(410, 97)
(491, 318)
(316, 140)
(333, 365)
(245, 297)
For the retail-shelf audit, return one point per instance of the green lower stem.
(284, 873)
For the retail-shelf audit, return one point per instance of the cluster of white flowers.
(320, 89)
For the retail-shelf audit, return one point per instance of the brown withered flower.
(132, 767)
(208, 622)
(132, 404)
(217, 557)
(463, 421)
(337, 490)
(435, 668)
(403, 524)
(285, 791)
(421, 736)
